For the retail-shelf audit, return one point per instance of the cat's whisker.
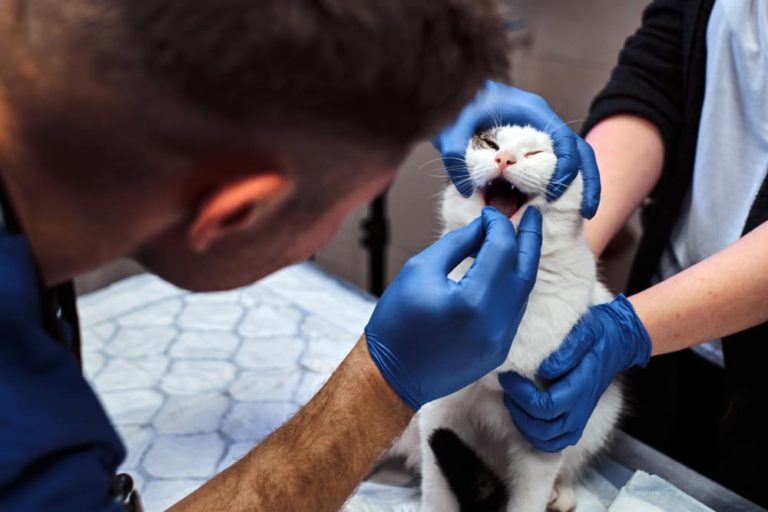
(575, 121)
(446, 172)
(430, 162)
(494, 115)
(568, 123)
(462, 181)
(441, 165)
(441, 175)
(434, 173)
(436, 196)
(558, 188)
(453, 166)
(441, 160)
(552, 118)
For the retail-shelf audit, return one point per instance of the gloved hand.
(430, 336)
(608, 339)
(501, 104)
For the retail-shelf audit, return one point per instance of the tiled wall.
(573, 47)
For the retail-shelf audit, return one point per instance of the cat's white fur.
(566, 286)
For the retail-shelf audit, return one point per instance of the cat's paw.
(563, 499)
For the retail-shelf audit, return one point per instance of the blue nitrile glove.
(608, 339)
(431, 336)
(501, 104)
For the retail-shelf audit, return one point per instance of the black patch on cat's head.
(486, 139)
(476, 486)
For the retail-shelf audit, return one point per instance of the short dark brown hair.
(367, 73)
(392, 68)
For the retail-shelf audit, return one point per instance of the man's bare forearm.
(317, 458)
(630, 154)
(721, 295)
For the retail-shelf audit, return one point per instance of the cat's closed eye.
(532, 153)
(490, 143)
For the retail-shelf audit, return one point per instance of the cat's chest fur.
(565, 287)
(562, 294)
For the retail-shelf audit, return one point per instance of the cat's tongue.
(500, 194)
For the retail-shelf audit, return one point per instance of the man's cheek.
(328, 231)
(314, 238)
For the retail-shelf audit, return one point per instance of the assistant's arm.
(630, 154)
(635, 121)
(633, 125)
(723, 294)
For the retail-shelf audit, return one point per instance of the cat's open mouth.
(505, 197)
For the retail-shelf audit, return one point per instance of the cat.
(510, 168)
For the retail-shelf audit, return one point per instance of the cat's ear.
(235, 207)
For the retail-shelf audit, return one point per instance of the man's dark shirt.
(58, 450)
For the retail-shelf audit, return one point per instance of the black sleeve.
(648, 79)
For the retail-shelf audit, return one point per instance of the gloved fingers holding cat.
(499, 104)
(610, 338)
(429, 335)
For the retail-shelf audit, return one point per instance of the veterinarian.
(215, 143)
(681, 128)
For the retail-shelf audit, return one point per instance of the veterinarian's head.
(218, 140)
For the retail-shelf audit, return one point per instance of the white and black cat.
(510, 168)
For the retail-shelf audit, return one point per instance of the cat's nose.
(504, 159)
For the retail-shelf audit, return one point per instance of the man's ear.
(235, 207)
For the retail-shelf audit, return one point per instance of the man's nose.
(504, 159)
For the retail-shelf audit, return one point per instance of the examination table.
(192, 382)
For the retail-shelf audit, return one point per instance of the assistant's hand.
(608, 339)
(501, 104)
(431, 336)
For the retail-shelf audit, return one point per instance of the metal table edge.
(634, 454)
